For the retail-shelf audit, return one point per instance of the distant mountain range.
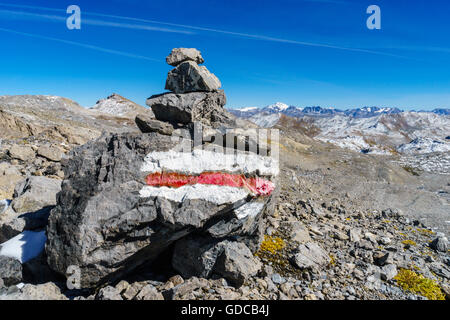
(367, 129)
(317, 111)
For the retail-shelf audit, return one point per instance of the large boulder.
(205, 107)
(35, 193)
(127, 197)
(189, 76)
(179, 55)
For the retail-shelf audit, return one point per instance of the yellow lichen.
(271, 244)
(409, 242)
(425, 231)
(332, 260)
(408, 280)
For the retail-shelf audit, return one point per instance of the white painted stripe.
(199, 161)
(211, 193)
(250, 209)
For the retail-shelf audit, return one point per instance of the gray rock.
(146, 124)
(354, 235)
(189, 77)
(392, 213)
(50, 153)
(196, 256)
(12, 223)
(205, 107)
(104, 225)
(277, 279)
(35, 193)
(10, 271)
(311, 256)
(180, 290)
(179, 55)
(24, 153)
(237, 263)
(382, 258)
(108, 293)
(149, 292)
(388, 272)
(46, 291)
(202, 257)
(299, 232)
(440, 244)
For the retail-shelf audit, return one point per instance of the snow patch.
(24, 246)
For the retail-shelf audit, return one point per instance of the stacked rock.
(129, 198)
(194, 96)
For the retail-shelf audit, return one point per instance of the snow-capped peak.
(278, 106)
(247, 109)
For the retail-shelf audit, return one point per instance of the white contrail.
(10, 14)
(238, 34)
(83, 45)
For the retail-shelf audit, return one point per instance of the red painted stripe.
(257, 186)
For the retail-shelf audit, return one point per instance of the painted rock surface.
(128, 197)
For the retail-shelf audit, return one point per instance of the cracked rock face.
(188, 77)
(118, 209)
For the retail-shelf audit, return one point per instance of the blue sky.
(301, 52)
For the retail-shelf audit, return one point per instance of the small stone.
(354, 235)
(176, 280)
(122, 286)
(108, 293)
(382, 258)
(276, 278)
(311, 255)
(440, 244)
(385, 240)
(388, 272)
(371, 237)
(149, 292)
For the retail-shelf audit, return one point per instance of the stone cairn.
(128, 198)
(195, 97)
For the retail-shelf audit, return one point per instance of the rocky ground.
(341, 224)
